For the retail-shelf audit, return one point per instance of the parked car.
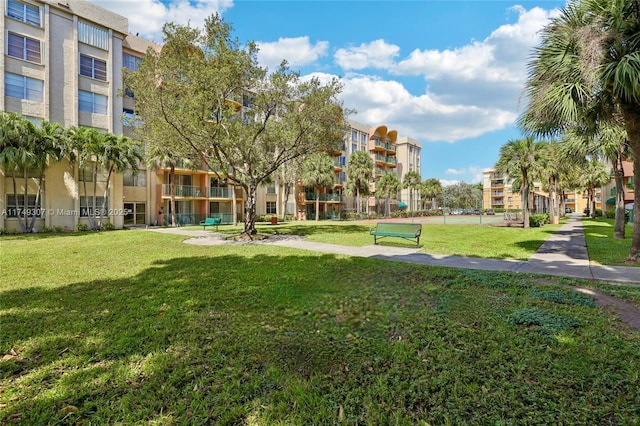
(491, 212)
(568, 210)
(477, 211)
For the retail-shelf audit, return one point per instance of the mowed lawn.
(135, 327)
(457, 240)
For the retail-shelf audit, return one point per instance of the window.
(19, 86)
(271, 188)
(131, 62)
(363, 138)
(23, 12)
(86, 206)
(138, 179)
(354, 147)
(130, 118)
(93, 36)
(271, 207)
(15, 206)
(92, 102)
(22, 47)
(92, 67)
(354, 135)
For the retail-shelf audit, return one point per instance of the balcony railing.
(323, 197)
(391, 160)
(196, 191)
(184, 191)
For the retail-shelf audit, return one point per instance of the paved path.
(562, 254)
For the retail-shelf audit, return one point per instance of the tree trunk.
(618, 228)
(15, 197)
(104, 199)
(250, 210)
(36, 206)
(553, 219)
(25, 224)
(358, 204)
(317, 204)
(92, 213)
(234, 207)
(286, 189)
(631, 114)
(525, 204)
(172, 195)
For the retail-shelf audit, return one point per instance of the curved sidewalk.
(562, 254)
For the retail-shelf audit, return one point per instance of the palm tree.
(550, 175)
(317, 171)
(431, 189)
(119, 153)
(160, 156)
(359, 175)
(412, 181)
(388, 184)
(593, 176)
(27, 148)
(585, 73)
(519, 160)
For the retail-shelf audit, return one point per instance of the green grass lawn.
(457, 240)
(603, 248)
(134, 327)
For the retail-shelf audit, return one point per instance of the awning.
(402, 204)
(611, 200)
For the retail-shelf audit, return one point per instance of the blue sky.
(447, 73)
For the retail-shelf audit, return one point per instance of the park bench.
(211, 221)
(408, 231)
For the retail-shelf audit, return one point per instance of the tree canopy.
(208, 90)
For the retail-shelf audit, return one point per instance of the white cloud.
(147, 17)
(445, 182)
(377, 54)
(424, 117)
(456, 171)
(297, 51)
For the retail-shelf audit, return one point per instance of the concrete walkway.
(562, 254)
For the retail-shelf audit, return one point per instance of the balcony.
(392, 161)
(497, 193)
(184, 191)
(337, 164)
(381, 158)
(324, 197)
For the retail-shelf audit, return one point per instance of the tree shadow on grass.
(190, 338)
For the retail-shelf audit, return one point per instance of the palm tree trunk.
(525, 205)
(92, 222)
(36, 206)
(106, 194)
(23, 225)
(618, 228)
(317, 204)
(631, 115)
(15, 197)
(286, 189)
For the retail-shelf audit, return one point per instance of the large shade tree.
(586, 71)
(519, 160)
(229, 111)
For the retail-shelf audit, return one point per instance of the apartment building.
(498, 193)
(408, 152)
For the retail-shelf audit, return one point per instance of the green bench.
(210, 221)
(408, 231)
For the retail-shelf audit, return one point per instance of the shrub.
(537, 220)
(58, 228)
(83, 227)
(3, 231)
(108, 226)
(46, 229)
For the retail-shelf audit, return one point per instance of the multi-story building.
(408, 157)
